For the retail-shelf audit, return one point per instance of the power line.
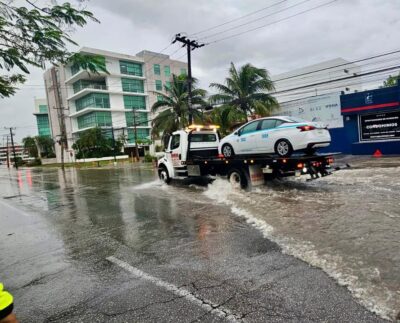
(255, 20)
(272, 23)
(236, 19)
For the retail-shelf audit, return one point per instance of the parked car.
(280, 135)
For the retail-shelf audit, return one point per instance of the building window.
(43, 108)
(158, 85)
(157, 69)
(168, 84)
(160, 98)
(141, 134)
(130, 68)
(142, 119)
(43, 125)
(130, 85)
(83, 84)
(95, 119)
(167, 71)
(75, 69)
(183, 71)
(134, 102)
(94, 100)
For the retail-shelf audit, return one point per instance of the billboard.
(322, 108)
(379, 126)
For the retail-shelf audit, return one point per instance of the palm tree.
(172, 108)
(246, 91)
(225, 116)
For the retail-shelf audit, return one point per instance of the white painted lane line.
(179, 291)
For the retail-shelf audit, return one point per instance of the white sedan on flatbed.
(280, 135)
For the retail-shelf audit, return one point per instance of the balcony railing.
(80, 87)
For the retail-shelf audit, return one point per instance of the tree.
(225, 116)
(31, 36)
(94, 143)
(176, 114)
(46, 146)
(245, 91)
(391, 81)
(30, 146)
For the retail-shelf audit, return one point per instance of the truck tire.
(283, 148)
(227, 151)
(237, 179)
(163, 174)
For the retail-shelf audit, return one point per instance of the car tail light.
(330, 160)
(221, 156)
(306, 128)
(300, 165)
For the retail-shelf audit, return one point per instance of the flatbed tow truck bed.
(245, 170)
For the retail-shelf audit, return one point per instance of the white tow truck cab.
(193, 153)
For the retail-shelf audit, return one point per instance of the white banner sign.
(322, 108)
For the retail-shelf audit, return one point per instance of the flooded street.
(114, 244)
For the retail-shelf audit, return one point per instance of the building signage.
(381, 126)
(321, 108)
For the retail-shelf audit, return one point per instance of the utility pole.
(13, 148)
(113, 139)
(8, 155)
(190, 45)
(135, 133)
(60, 113)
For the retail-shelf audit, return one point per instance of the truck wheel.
(283, 148)
(227, 151)
(163, 175)
(237, 179)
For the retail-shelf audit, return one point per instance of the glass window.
(160, 98)
(75, 69)
(157, 69)
(249, 128)
(158, 85)
(95, 100)
(134, 102)
(83, 84)
(131, 85)
(268, 124)
(175, 141)
(95, 119)
(168, 84)
(141, 134)
(183, 71)
(141, 119)
(203, 137)
(43, 125)
(130, 68)
(43, 108)
(167, 70)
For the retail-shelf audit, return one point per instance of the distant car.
(280, 135)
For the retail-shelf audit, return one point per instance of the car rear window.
(203, 137)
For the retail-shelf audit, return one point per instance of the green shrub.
(149, 158)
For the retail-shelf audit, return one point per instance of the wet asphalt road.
(113, 245)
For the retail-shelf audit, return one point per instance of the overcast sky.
(350, 29)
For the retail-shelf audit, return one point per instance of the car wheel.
(237, 179)
(164, 175)
(283, 148)
(227, 151)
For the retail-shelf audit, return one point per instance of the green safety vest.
(6, 302)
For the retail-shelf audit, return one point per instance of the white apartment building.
(329, 71)
(111, 101)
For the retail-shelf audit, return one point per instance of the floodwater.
(348, 224)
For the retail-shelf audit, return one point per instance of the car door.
(267, 135)
(173, 153)
(246, 138)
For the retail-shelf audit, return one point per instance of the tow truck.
(193, 153)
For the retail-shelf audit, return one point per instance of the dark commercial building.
(371, 122)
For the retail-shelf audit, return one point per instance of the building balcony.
(82, 85)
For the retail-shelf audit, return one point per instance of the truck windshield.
(203, 137)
